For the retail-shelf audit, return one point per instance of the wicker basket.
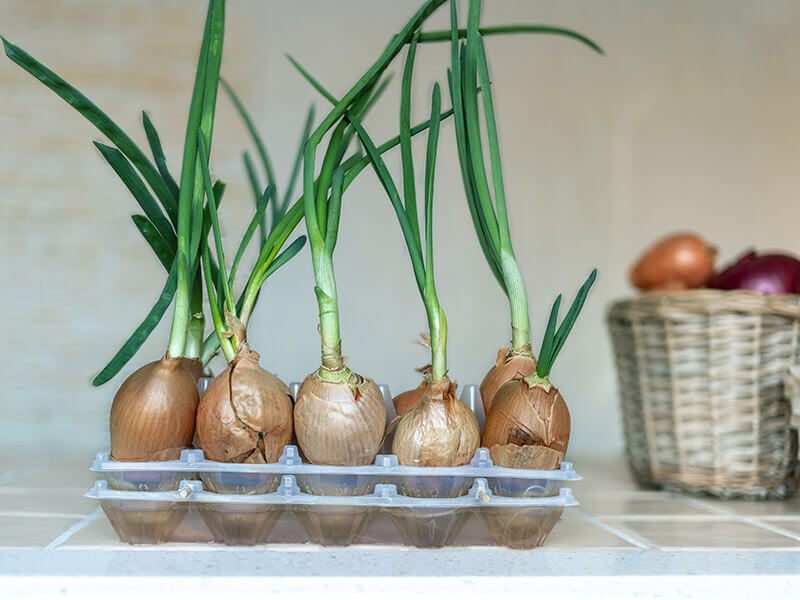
(701, 383)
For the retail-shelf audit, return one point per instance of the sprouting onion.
(528, 425)
(245, 414)
(439, 431)
(468, 79)
(153, 413)
(339, 415)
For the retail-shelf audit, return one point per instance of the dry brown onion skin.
(508, 366)
(339, 423)
(405, 401)
(195, 367)
(439, 431)
(153, 413)
(245, 415)
(528, 416)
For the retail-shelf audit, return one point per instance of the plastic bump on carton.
(385, 490)
(288, 486)
(386, 461)
(290, 457)
(480, 490)
(192, 456)
(482, 459)
(99, 459)
(188, 487)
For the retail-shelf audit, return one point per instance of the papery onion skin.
(195, 367)
(508, 366)
(405, 401)
(339, 423)
(683, 258)
(245, 415)
(439, 431)
(767, 274)
(153, 413)
(523, 415)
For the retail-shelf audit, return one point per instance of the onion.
(245, 414)
(683, 259)
(525, 414)
(768, 274)
(153, 413)
(339, 423)
(405, 401)
(439, 431)
(509, 365)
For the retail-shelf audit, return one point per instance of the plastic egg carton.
(322, 480)
(325, 480)
(289, 515)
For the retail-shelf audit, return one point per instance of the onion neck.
(332, 361)
(437, 326)
(536, 381)
(518, 300)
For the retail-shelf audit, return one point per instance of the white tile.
(44, 501)
(636, 503)
(705, 534)
(32, 532)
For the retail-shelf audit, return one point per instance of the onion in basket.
(682, 261)
(768, 274)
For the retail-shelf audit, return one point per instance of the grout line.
(741, 518)
(612, 530)
(41, 515)
(72, 529)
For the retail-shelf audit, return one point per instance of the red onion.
(768, 274)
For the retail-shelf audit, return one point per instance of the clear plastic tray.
(324, 480)
(289, 515)
(235, 478)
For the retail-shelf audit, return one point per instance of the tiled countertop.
(48, 528)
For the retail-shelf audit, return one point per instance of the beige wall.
(691, 120)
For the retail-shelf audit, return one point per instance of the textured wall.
(691, 120)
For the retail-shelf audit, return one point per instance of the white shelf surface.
(621, 541)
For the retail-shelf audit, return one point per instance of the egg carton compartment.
(381, 517)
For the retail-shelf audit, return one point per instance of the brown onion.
(405, 401)
(195, 367)
(526, 415)
(439, 431)
(682, 258)
(245, 415)
(668, 286)
(509, 365)
(153, 413)
(339, 423)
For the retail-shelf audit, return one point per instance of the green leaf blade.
(142, 332)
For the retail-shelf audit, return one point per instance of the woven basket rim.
(705, 301)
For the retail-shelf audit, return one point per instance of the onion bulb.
(509, 365)
(679, 259)
(339, 422)
(526, 413)
(245, 414)
(153, 413)
(405, 401)
(439, 431)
